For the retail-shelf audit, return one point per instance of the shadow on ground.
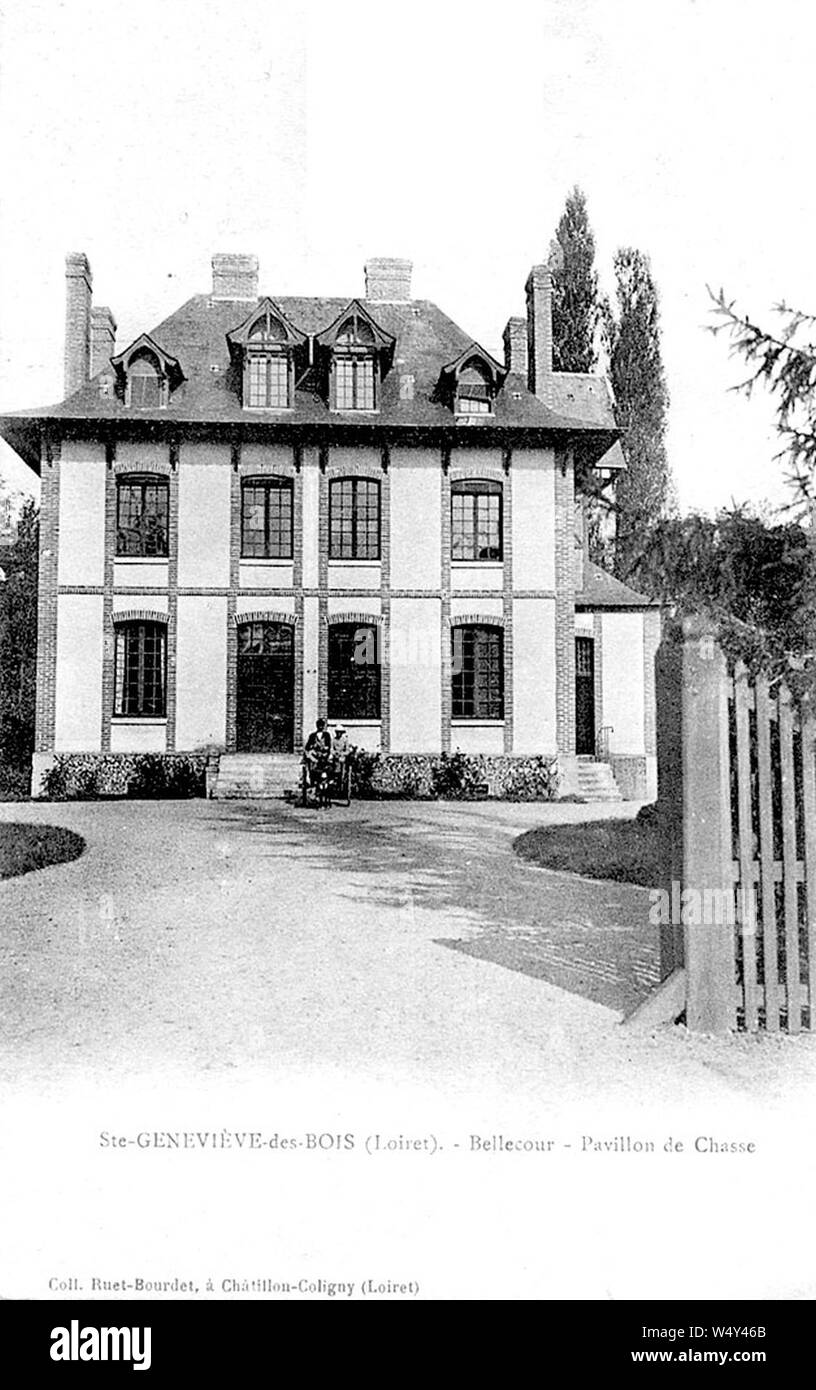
(24, 847)
(591, 938)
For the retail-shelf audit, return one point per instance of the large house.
(270, 508)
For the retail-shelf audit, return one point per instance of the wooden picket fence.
(740, 772)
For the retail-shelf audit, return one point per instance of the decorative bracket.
(297, 457)
(446, 457)
(110, 452)
(323, 457)
(174, 454)
(507, 459)
(235, 454)
(385, 457)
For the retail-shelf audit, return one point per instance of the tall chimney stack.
(78, 287)
(234, 276)
(103, 338)
(388, 279)
(515, 347)
(539, 332)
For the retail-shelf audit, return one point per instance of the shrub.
(83, 776)
(454, 776)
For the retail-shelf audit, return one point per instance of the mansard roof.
(196, 337)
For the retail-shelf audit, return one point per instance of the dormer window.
(145, 383)
(474, 394)
(470, 384)
(355, 355)
(268, 365)
(263, 351)
(354, 367)
(146, 375)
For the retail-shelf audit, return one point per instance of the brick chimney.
(515, 347)
(103, 338)
(539, 332)
(234, 276)
(388, 279)
(78, 288)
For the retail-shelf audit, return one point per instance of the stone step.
(247, 776)
(596, 782)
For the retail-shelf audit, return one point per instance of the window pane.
(354, 519)
(266, 519)
(478, 673)
(140, 669)
(344, 378)
(354, 672)
(476, 521)
(143, 507)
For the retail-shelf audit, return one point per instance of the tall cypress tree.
(642, 398)
(575, 309)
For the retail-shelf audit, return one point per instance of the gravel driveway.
(395, 938)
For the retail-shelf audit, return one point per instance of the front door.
(265, 714)
(584, 696)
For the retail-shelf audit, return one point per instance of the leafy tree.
(18, 641)
(754, 579)
(643, 491)
(575, 304)
(785, 362)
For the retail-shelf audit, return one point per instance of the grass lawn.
(625, 850)
(27, 847)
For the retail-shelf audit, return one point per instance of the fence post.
(707, 848)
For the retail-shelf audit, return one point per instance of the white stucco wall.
(416, 518)
(131, 737)
(416, 660)
(533, 482)
(201, 672)
(351, 574)
(477, 738)
(78, 727)
(268, 574)
(491, 607)
(125, 603)
(622, 680)
(272, 603)
(534, 724)
(147, 573)
(204, 516)
(82, 514)
(487, 575)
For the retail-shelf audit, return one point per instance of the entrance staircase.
(257, 775)
(596, 781)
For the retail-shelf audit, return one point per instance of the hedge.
(86, 776)
(454, 776)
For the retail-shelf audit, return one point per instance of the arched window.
(145, 382)
(354, 671)
(354, 519)
(140, 670)
(267, 368)
(142, 512)
(477, 655)
(476, 520)
(266, 519)
(354, 366)
(473, 390)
